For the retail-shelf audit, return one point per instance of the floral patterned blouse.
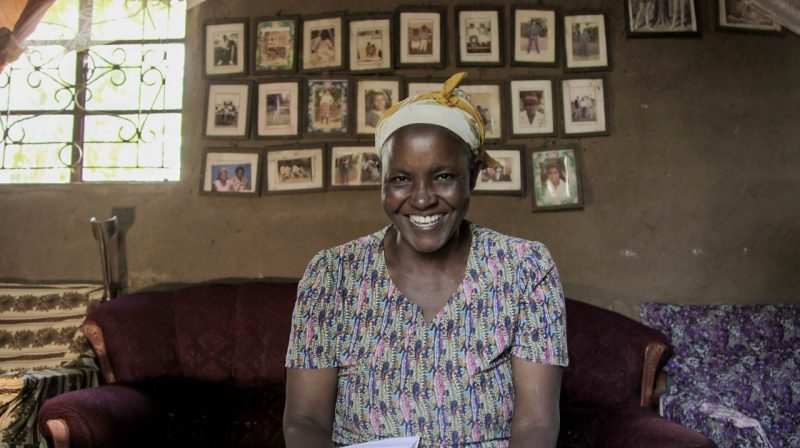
(447, 380)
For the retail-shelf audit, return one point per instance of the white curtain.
(785, 12)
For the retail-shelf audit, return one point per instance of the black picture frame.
(424, 16)
(320, 23)
(277, 181)
(311, 106)
(216, 160)
(465, 38)
(553, 36)
(495, 129)
(360, 100)
(362, 171)
(723, 23)
(262, 129)
(572, 63)
(635, 22)
(273, 45)
(381, 59)
(540, 159)
(493, 181)
(217, 55)
(582, 127)
(517, 86)
(217, 123)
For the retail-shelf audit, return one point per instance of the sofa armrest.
(642, 426)
(111, 415)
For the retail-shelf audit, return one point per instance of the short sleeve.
(312, 343)
(541, 332)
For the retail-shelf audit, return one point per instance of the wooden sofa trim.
(94, 334)
(60, 432)
(653, 355)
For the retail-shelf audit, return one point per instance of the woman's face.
(426, 185)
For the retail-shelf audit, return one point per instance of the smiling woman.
(433, 326)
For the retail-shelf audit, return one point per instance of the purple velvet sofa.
(203, 367)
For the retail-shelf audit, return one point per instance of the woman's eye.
(398, 179)
(445, 176)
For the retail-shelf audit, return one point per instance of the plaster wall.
(694, 197)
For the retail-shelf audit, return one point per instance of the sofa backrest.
(606, 357)
(228, 334)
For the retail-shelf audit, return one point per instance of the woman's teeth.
(426, 221)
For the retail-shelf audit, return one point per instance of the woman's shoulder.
(515, 250)
(348, 252)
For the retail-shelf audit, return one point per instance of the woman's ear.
(474, 171)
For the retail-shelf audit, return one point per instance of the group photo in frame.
(373, 97)
(231, 173)
(323, 43)
(355, 165)
(743, 16)
(227, 110)
(225, 48)
(648, 18)
(480, 36)
(275, 45)
(488, 98)
(370, 43)
(534, 39)
(295, 169)
(585, 43)
(507, 178)
(327, 110)
(278, 106)
(556, 179)
(532, 107)
(421, 38)
(585, 107)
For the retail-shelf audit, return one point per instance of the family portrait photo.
(373, 97)
(294, 169)
(534, 38)
(479, 37)
(225, 48)
(486, 98)
(661, 17)
(420, 38)
(327, 106)
(556, 177)
(227, 110)
(234, 173)
(584, 106)
(370, 44)
(322, 44)
(278, 109)
(585, 42)
(532, 107)
(275, 45)
(354, 166)
(508, 178)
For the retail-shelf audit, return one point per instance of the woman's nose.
(423, 197)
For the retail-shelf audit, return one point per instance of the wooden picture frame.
(532, 107)
(420, 40)
(509, 177)
(556, 178)
(370, 43)
(353, 166)
(584, 106)
(227, 110)
(729, 17)
(374, 95)
(488, 97)
(585, 44)
(535, 36)
(274, 43)
(294, 169)
(645, 19)
(324, 42)
(480, 39)
(327, 114)
(231, 173)
(225, 50)
(277, 108)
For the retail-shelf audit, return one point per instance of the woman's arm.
(310, 404)
(537, 388)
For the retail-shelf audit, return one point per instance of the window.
(97, 96)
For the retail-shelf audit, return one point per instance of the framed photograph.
(327, 108)
(323, 43)
(227, 110)
(535, 36)
(278, 106)
(421, 37)
(225, 48)
(584, 106)
(295, 169)
(741, 15)
(585, 43)
(480, 35)
(487, 98)
(275, 45)
(373, 97)
(231, 173)
(649, 18)
(532, 111)
(370, 43)
(556, 179)
(354, 166)
(423, 86)
(509, 177)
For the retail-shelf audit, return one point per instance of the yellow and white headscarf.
(450, 108)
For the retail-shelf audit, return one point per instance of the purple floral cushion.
(733, 366)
